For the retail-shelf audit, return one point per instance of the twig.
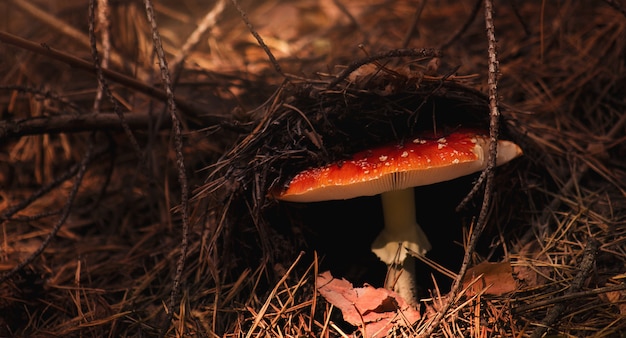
(616, 5)
(413, 27)
(543, 222)
(120, 78)
(395, 53)
(105, 29)
(494, 122)
(475, 188)
(180, 165)
(568, 296)
(519, 18)
(81, 169)
(8, 213)
(46, 94)
(103, 85)
(71, 32)
(258, 38)
(342, 8)
(270, 297)
(208, 22)
(586, 265)
(68, 123)
(463, 28)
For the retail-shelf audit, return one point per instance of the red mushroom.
(392, 171)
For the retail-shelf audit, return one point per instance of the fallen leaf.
(375, 310)
(528, 268)
(617, 298)
(495, 278)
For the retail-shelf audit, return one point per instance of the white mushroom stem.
(400, 236)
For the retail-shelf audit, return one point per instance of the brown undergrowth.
(351, 75)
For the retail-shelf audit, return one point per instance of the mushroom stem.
(401, 278)
(400, 237)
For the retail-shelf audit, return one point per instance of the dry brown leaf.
(375, 310)
(496, 278)
(617, 298)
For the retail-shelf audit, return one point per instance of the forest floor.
(140, 143)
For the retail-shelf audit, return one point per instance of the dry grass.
(111, 197)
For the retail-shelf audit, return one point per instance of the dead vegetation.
(107, 180)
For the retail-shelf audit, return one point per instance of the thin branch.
(68, 123)
(617, 6)
(586, 266)
(81, 169)
(258, 38)
(104, 27)
(465, 26)
(395, 53)
(342, 8)
(494, 121)
(102, 83)
(44, 94)
(568, 296)
(519, 18)
(542, 225)
(180, 164)
(8, 213)
(208, 22)
(72, 32)
(413, 27)
(117, 77)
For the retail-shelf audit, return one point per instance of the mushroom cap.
(416, 162)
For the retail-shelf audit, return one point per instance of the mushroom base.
(401, 279)
(401, 235)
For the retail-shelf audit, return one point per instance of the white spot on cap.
(455, 161)
(383, 158)
(440, 146)
(420, 141)
(442, 140)
(404, 154)
(474, 140)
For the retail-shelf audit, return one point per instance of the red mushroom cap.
(419, 161)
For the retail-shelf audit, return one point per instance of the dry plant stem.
(81, 170)
(543, 223)
(586, 266)
(413, 27)
(102, 83)
(208, 22)
(568, 296)
(68, 123)
(122, 79)
(180, 165)
(617, 6)
(421, 52)
(342, 8)
(104, 29)
(494, 120)
(519, 18)
(8, 214)
(465, 26)
(46, 94)
(266, 305)
(258, 38)
(72, 32)
(475, 188)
